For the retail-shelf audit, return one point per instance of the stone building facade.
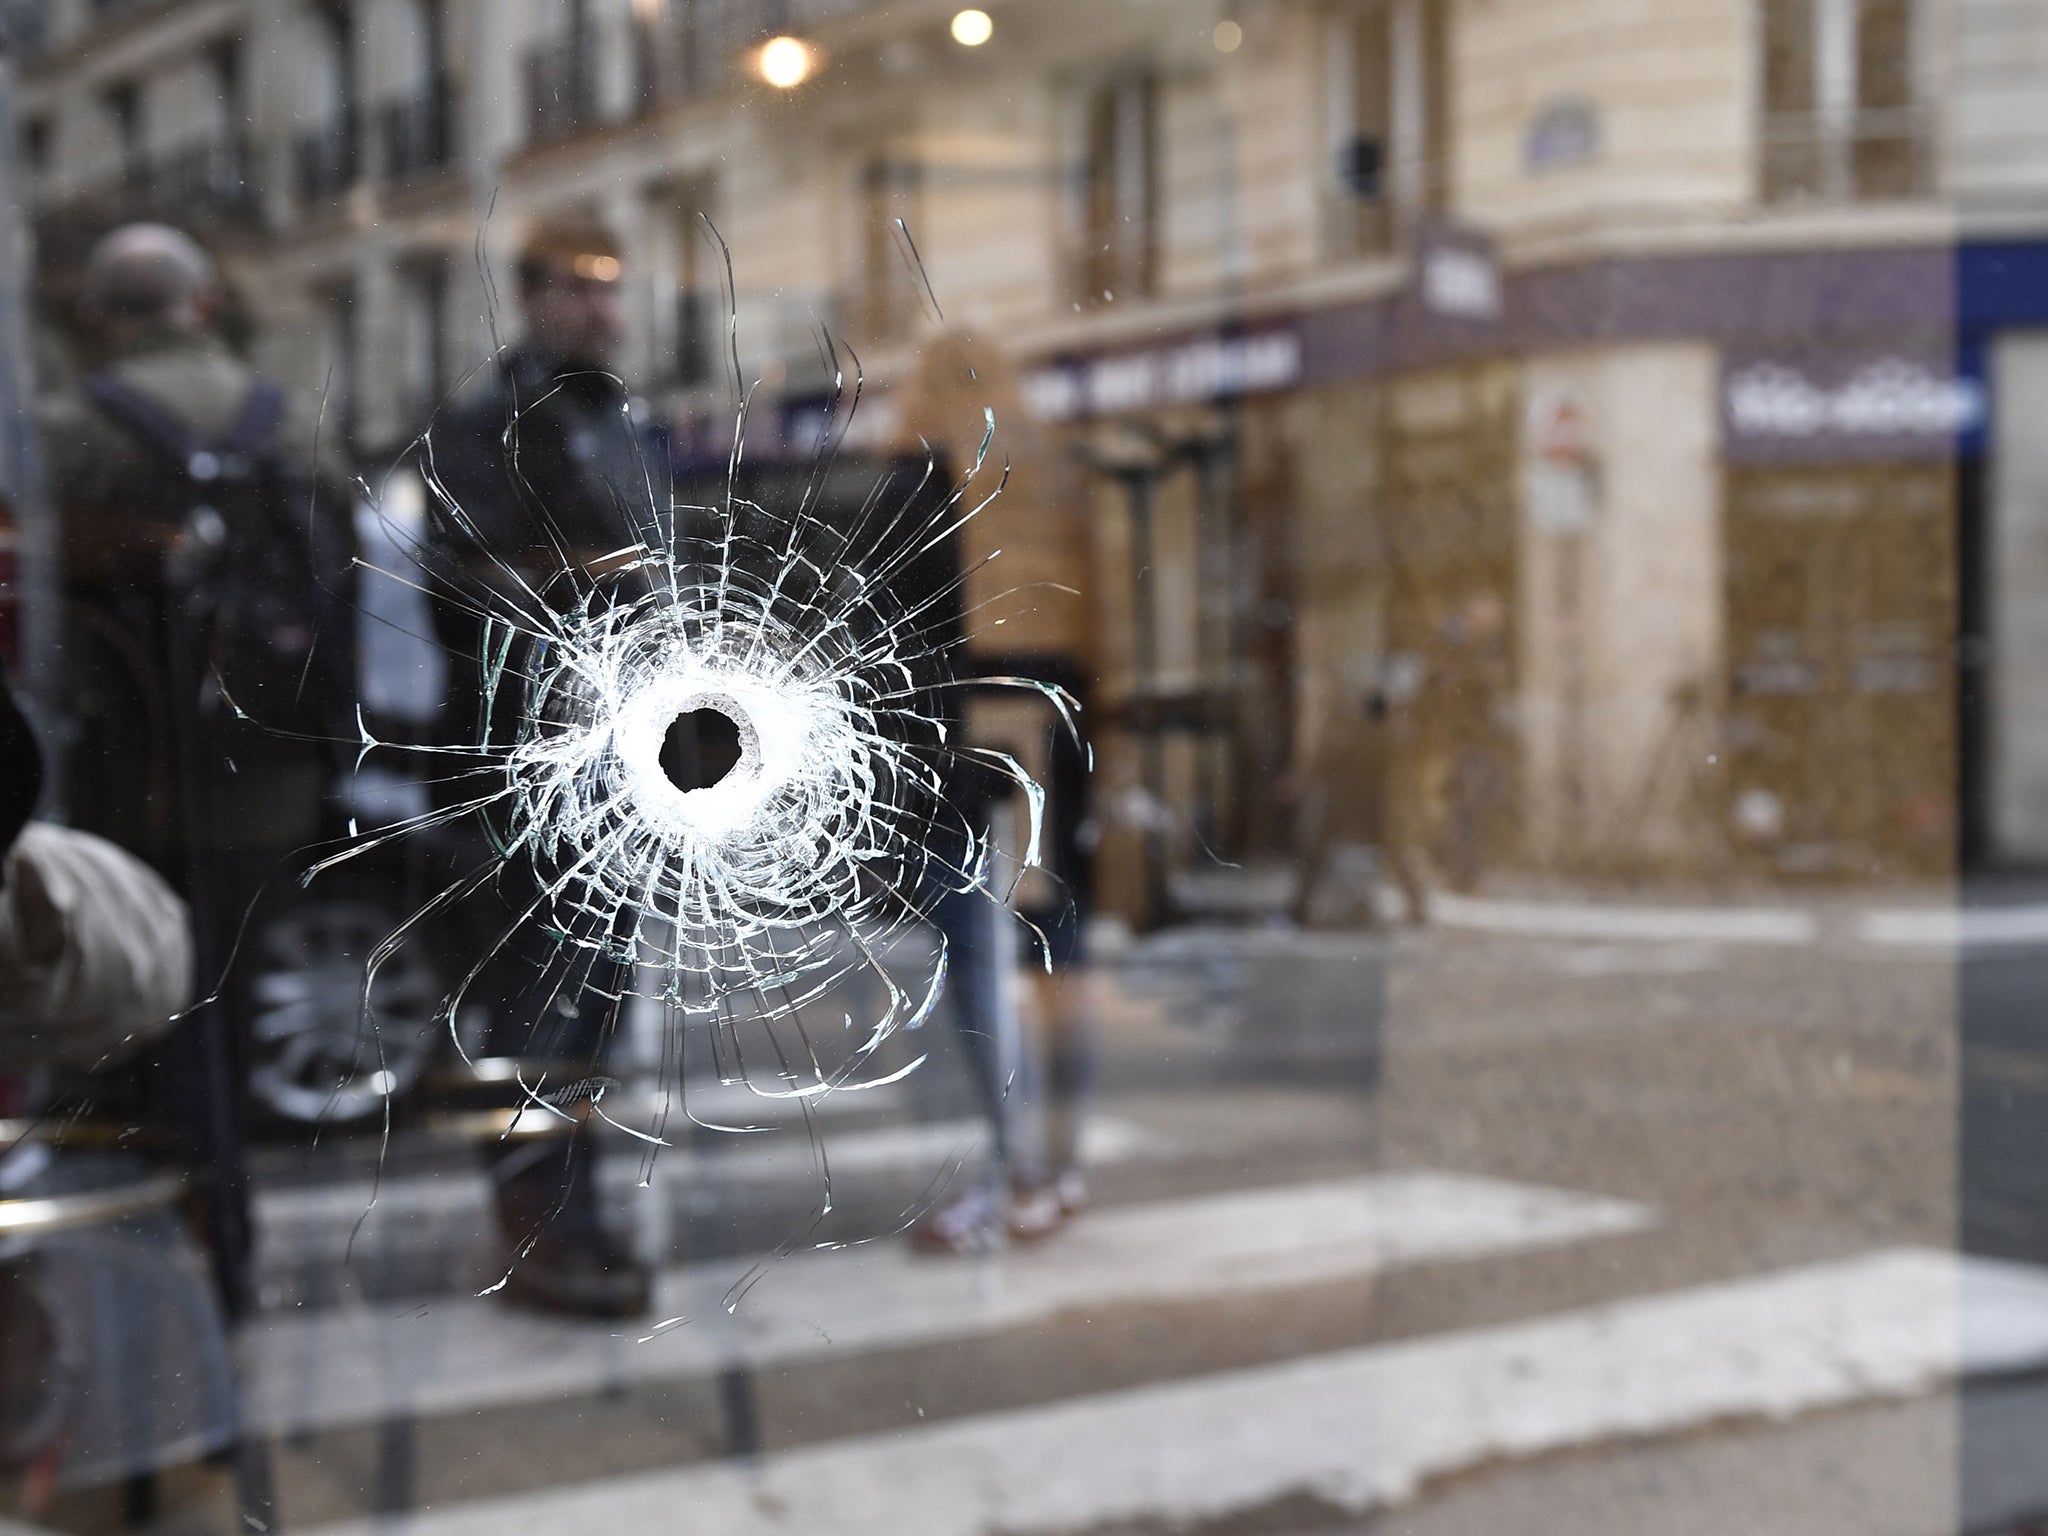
(1544, 434)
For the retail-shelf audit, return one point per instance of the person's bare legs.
(1066, 1036)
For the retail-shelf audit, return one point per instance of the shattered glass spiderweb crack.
(772, 893)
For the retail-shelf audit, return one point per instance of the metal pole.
(39, 550)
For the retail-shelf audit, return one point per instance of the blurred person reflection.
(548, 464)
(1030, 1070)
(114, 1356)
(209, 647)
(1062, 1007)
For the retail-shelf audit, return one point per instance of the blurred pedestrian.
(546, 469)
(1055, 904)
(202, 553)
(209, 645)
(95, 947)
(1030, 1077)
(114, 1355)
(1031, 1074)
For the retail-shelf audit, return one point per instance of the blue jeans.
(977, 950)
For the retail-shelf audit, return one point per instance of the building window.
(327, 151)
(121, 105)
(423, 340)
(889, 287)
(417, 122)
(339, 359)
(1388, 72)
(687, 299)
(206, 175)
(226, 154)
(561, 78)
(224, 71)
(1845, 115)
(35, 145)
(677, 50)
(1115, 192)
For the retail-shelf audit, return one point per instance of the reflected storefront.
(1633, 540)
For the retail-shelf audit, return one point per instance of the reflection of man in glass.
(546, 456)
(203, 558)
(140, 462)
(546, 466)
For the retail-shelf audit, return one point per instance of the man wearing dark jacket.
(545, 461)
(547, 479)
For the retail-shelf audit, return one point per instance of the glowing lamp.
(786, 62)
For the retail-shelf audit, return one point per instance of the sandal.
(1072, 1189)
(978, 1223)
(1034, 1213)
(967, 1224)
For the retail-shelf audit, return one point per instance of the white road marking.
(1592, 920)
(1361, 1429)
(362, 1364)
(1596, 960)
(772, 1155)
(1693, 930)
(1951, 927)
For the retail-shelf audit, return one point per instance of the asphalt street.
(1670, 1225)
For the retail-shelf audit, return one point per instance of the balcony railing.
(209, 179)
(561, 91)
(1865, 156)
(419, 131)
(327, 159)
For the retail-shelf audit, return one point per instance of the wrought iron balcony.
(328, 160)
(209, 179)
(1868, 155)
